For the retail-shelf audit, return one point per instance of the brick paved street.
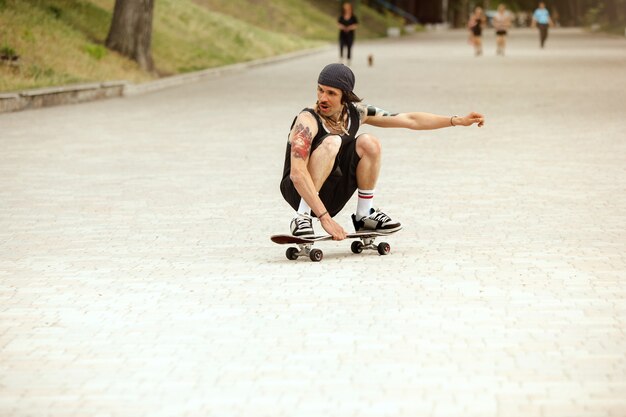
(137, 277)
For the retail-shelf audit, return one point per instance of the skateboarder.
(326, 162)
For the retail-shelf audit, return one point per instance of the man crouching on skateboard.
(326, 162)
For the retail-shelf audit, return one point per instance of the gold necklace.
(335, 125)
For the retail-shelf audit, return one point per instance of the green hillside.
(62, 41)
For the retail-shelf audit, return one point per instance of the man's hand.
(333, 228)
(470, 119)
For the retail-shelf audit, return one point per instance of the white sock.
(365, 203)
(303, 208)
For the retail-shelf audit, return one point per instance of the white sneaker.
(302, 225)
(376, 221)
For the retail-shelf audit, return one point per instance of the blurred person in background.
(475, 25)
(501, 23)
(542, 20)
(347, 23)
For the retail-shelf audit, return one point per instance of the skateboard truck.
(383, 248)
(305, 249)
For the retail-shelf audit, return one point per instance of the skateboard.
(305, 244)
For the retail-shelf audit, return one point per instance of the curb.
(54, 96)
(80, 93)
(174, 80)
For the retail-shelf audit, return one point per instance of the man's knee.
(368, 145)
(330, 146)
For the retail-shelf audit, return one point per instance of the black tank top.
(353, 128)
(347, 22)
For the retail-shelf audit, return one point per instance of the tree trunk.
(611, 11)
(131, 31)
(574, 13)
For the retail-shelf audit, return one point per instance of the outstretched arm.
(416, 120)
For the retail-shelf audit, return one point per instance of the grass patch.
(219, 39)
(52, 51)
(97, 52)
(7, 52)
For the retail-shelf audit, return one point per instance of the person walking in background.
(501, 23)
(475, 25)
(541, 19)
(347, 23)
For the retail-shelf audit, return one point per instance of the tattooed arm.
(301, 139)
(416, 121)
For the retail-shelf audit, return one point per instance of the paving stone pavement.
(137, 277)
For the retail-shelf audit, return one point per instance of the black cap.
(338, 76)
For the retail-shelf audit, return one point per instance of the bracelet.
(452, 124)
(322, 215)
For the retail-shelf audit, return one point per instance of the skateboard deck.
(305, 244)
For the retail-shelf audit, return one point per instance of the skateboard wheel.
(384, 248)
(357, 247)
(316, 255)
(292, 254)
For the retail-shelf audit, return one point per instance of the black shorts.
(340, 184)
(501, 32)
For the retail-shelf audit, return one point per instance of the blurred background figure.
(475, 25)
(541, 19)
(347, 25)
(501, 23)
